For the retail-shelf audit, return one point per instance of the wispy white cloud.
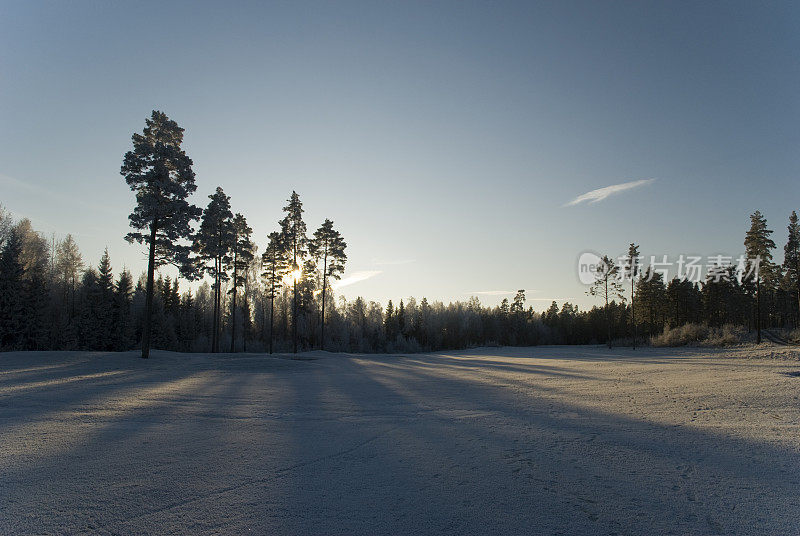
(356, 277)
(491, 293)
(384, 262)
(38, 191)
(601, 193)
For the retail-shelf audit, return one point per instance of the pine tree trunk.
(272, 308)
(608, 316)
(215, 324)
(233, 314)
(233, 321)
(294, 302)
(797, 282)
(324, 276)
(148, 308)
(294, 314)
(758, 310)
(633, 315)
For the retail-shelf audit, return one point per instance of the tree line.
(49, 299)
(282, 300)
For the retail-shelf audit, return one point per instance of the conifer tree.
(401, 318)
(275, 266)
(123, 294)
(242, 252)
(12, 307)
(35, 300)
(791, 258)
(213, 243)
(608, 287)
(160, 173)
(104, 322)
(651, 294)
(295, 242)
(518, 305)
(632, 269)
(758, 246)
(328, 247)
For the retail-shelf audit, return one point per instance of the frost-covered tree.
(327, 248)
(68, 265)
(241, 254)
(213, 244)
(160, 173)
(6, 222)
(758, 246)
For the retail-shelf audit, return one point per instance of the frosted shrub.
(699, 335)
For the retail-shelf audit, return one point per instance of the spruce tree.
(758, 246)
(213, 244)
(160, 173)
(123, 296)
(36, 297)
(12, 307)
(791, 259)
(295, 242)
(328, 246)
(240, 257)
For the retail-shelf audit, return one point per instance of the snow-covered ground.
(549, 440)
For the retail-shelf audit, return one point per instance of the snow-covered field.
(549, 440)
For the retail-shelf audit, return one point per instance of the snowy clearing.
(547, 440)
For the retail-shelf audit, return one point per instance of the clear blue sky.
(444, 139)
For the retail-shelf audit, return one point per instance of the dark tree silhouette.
(275, 266)
(328, 246)
(293, 238)
(213, 243)
(608, 287)
(633, 270)
(240, 256)
(758, 246)
(160, 173)
(791, 259)
(12, 306)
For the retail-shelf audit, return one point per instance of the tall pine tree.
(275, 266)
(758, 246)
(160, 173)
(327, 246)
(213, 243)
(632, 268)
(295, 242)
(608, 287)
(241, 255)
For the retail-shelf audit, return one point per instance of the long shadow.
(378, 446)
(574, 429)
(699, 450)
(156, 439)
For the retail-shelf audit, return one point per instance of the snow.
(547, 440)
